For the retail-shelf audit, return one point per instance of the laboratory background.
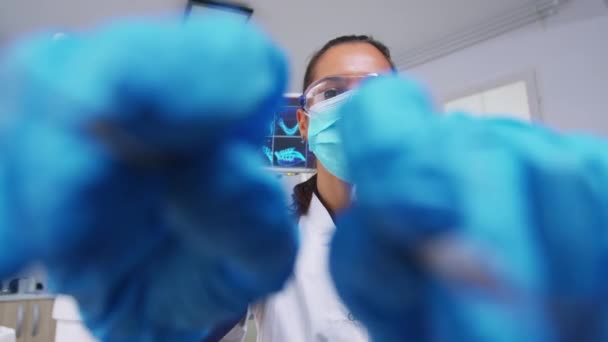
(539, 61)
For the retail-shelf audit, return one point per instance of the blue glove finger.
(573, 181)
(108, 154)
(227, 80)
(489, 171)
(253, 230)
(390, 149)
(252, 250)
(440, 188)
(556, 258)
(399, 205)
(166, 74)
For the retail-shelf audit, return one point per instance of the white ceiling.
(299, 26)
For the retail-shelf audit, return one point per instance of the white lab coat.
(308, 308)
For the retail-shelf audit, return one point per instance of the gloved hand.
(470, 229)
(128, 167)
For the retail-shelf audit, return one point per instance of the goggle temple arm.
(302, 101)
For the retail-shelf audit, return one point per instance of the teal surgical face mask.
(324, 137)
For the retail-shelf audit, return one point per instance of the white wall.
(568, 52)
(299, 26)
(20, 17)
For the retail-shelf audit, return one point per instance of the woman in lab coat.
(308, 308)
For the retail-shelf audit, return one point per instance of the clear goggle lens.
(330, 87)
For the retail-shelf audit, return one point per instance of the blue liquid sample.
(289, 131)
(289, 157)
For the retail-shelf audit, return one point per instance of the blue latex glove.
(470, 229)
(128, 167)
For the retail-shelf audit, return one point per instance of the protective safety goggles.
(330, 87)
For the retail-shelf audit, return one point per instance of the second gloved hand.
(470, 229)
(128, 168)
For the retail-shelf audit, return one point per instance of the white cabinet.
(515, 99)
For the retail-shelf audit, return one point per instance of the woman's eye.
(328, 94)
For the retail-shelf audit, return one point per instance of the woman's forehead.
(351, 59)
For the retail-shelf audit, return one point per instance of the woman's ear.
(302, 123)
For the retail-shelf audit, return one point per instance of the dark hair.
(302, 193)
(312, 64)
